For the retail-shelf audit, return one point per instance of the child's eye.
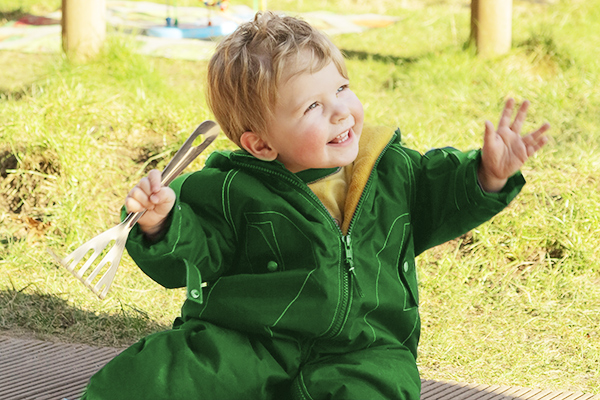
(342, 88)
(312, 106)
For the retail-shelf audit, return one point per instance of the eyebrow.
(297, 104)
(300, 104)
(304, 104)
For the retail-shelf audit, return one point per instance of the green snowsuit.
(294, 307)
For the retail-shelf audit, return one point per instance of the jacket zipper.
(349, 253)
(350, 263)
(348, 275)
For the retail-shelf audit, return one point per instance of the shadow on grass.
(49, 317)
(10, 94)
(364, 55)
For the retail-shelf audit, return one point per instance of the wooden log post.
(83, 28)
(491, 26)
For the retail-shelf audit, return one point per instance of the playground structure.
(212, 27)
(84, 25)
(491, 26)
(43, 34)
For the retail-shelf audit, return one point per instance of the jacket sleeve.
(448, 200)
(197, 240)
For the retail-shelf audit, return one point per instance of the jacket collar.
(218, 158)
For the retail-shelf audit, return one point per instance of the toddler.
(298, 250)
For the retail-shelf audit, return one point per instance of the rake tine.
(106, 279)
(107, 237)
(113, 257)
(75, 260)
(99, 244)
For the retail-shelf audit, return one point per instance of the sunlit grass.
(516, 301)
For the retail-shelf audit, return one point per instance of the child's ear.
(257, 146)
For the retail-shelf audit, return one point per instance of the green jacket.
(276, 264)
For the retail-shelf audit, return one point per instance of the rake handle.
(184, 156)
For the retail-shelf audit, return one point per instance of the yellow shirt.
(341, 191)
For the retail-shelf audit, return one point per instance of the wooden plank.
(32, 369)
(39, 370)
(450, 390)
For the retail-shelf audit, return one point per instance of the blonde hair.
(248, 65)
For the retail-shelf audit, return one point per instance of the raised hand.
(157, 200)
(504, 150)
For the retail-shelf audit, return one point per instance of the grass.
(516, 301)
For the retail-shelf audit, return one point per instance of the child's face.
(317, 121)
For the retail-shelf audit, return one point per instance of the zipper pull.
(350, 264)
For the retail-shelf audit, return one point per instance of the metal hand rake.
(118, 234)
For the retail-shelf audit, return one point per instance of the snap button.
(405, 266)
(272, 266)
(195, 293)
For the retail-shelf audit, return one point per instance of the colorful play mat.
(164, 31)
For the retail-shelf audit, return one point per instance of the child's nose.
(341, 111)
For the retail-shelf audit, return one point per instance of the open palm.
(504, 149)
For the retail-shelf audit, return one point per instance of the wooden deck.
(38, 370)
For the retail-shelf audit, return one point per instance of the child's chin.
(350, 158)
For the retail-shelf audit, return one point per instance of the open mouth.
(341, 138)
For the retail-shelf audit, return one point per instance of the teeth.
(342, 137)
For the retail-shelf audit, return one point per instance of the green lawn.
(516, 301)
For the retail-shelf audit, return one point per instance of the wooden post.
(83, 28)
(491, 26)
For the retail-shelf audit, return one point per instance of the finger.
(506, 113)
(533, 148)
(164, 195)
(132, 205)
(520, 118)
(537, 134)
(155, 180)
(542, 129)
(140, 196)
(164, 200)
(144, 185)
(489, 135)
(492, 143)
(536, 140)
(537, 143)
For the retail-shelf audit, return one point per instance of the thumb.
(489, 135)
(164, 200)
